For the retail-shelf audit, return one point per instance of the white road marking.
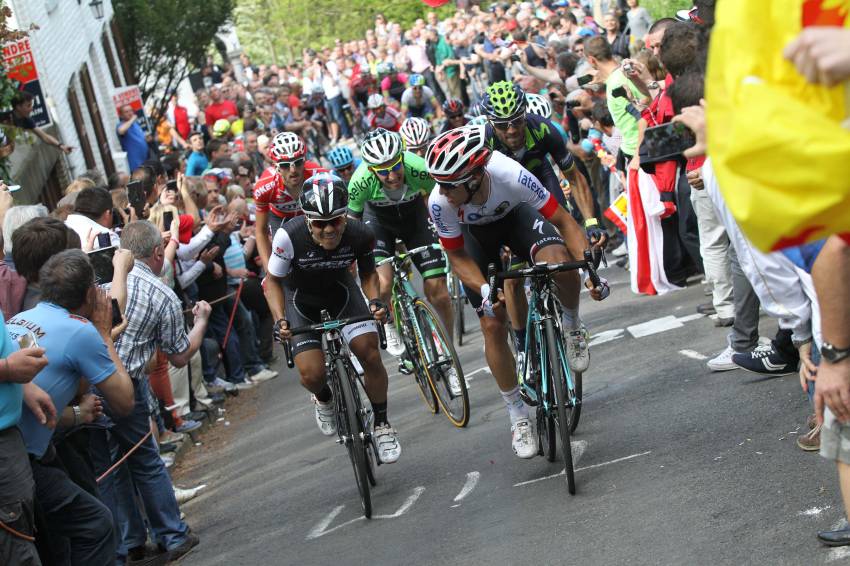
(655, 326)
(468, 376)
(471, 481)
(562, 472)
(693, 354)
(578, 447)
(322, 529)
(814, 511)
(607, 336)
(838, 553)
(690, 317)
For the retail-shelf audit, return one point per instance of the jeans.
(217, 329)
(143, 472)
(16, 500)
(335, 112)
(73, 513)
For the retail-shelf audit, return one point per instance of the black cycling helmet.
(323, 196)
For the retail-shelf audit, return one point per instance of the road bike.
(546, 378)
(429, 350)
(459, 300)
(353, 415)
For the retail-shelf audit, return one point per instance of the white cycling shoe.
(524, 440)
(395, 346)
(578, 352)
(386, 441)
(325, 417)
(454, 382)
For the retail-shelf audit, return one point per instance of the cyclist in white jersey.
(483, 201)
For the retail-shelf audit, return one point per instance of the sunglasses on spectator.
(290, 164)
(504, 125)
(332, 222)
(384, 171)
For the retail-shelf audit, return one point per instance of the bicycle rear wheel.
(356, 444)
(558, 383)
(371, 453)
(436, 347)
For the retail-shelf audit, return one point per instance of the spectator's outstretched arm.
(831, 274)
(545, 75)
(118, 387)
(201, 311)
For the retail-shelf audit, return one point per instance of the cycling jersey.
(391, 120)
(418, 109)
(510, 185)
(365, 187)
(271, 194)
(394, 85)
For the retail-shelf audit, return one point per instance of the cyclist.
(343, 162)
(393, 83)
(389, 190)
(415, 133)
(309, 272)
(382, 116)
(453, 110)
(418, 100)
(501, 203)
(278, 188)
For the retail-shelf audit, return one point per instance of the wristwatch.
(832, 354)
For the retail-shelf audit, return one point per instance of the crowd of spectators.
(135, 307)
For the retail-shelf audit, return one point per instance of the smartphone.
(116, 313)
(104, 240)
(619, 92)
(27, 340)
(667, 141)
(171, 185)
(584, 79)
(136, 196)
(101, 262)
(13, 188)
(167, 219)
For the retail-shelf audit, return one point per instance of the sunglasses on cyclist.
(346, 168)
(320, 224)
(517, 122)
(454, 116)
(453, 185)
(384, 171)
(290, 164)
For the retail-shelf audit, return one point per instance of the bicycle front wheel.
(420, 375)
(438, 357)
(356, 442)
(559, 384)
(545, 402)
(458, 300)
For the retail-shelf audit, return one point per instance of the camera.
(573, 104)
(515, 58)
(628, 67)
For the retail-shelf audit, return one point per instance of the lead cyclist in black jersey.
(308, 272)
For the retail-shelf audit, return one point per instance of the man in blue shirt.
(132, 137)
(72, 323)
(197, 162)
(17, 367)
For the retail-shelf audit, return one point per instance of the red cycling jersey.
(270, 192)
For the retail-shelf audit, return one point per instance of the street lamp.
(97, 8)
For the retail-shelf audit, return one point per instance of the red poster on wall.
(19, 63)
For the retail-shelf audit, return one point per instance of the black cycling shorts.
(414, 231)
(523, 230)
(343, 300)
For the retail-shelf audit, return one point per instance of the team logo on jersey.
(527, 181)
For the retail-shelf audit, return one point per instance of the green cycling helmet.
(504, 100)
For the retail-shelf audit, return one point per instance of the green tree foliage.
(666, 8)
(275, 31)
(166, 39)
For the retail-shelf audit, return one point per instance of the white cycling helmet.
(375, 101)
(286, 146)
(415, 132)
(536, 104)
(455, 155)
(380, 146)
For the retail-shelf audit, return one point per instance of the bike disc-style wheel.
(435, 345)
(357, 437)
(420, 376)
(559, 384)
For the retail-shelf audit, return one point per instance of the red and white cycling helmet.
(455, 155)
(286, 146)
(415, 132)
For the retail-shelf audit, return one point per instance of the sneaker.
(764, 360)
(218, 385)
(620, 251)
(263, 375)
(395, 346)
(722, 322)
(142, 556)
(184, 495)
(169, 437)
(524, 440)
(454, 382)
(247, 384)
(188, 426)
(325, 417)
(184, 548)
(706, 309)
(812, 421)
(386, 440)
(810, 442)
(578, 353)
(723, 360)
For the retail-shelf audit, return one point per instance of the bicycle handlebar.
(332, 325)
(414, 251)
(542, 270)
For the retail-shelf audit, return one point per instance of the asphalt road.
(675, 465)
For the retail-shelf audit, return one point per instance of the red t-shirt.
(294, 102)
(661, 109)
(270, 193)
(218, 111)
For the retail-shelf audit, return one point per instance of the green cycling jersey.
(365, 186)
